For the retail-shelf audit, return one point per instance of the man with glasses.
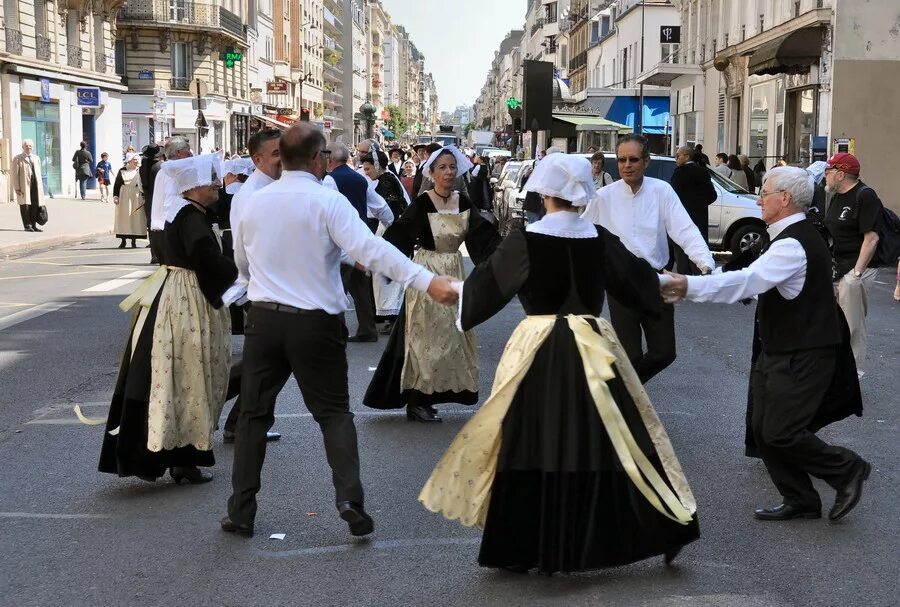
(803, 377)
(644, 213)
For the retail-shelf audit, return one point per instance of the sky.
(458, 39)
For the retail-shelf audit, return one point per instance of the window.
(669, 53)
(180, 68)
(178, 10)
(120, 57)
(550, 12)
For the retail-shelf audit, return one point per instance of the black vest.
(352, 185)
(810, 320)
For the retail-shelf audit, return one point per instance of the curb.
(37, 246)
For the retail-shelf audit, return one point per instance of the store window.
(759, 123)
(40, 123)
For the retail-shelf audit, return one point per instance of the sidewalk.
(71, 221)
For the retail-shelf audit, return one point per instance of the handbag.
(42, 216)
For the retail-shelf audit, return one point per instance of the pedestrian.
(370, 146)
(28, 185)
(83, 163)
(396, 164)
(296, 312)
(164, 195)
(699, 157)
(721, 167)
(104, 173)
(531, 466)
(695, 190)
(601, 177)
(737, 172)
(798, 324)
(174, 373)
(427, 361)
(362, 194)
(853, 218)
(128, 196)
(645, 212)
(533, 204)
(750, 175)
(759, 171)
(479, 185)
(783, 161)
(150, 165)
(410, 173)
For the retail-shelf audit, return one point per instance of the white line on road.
(31, 313)
(39, 515)
(109, 285)
(139, 274)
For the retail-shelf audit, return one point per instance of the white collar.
(627, 188)
(563, 224)
(293, 175)
(779, 226)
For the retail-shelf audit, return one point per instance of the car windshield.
(725, 183)
(510, 171)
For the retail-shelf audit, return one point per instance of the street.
(73, 536)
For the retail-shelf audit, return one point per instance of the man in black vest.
(799, 327)
(695, 190)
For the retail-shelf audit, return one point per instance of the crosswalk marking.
(116, 283)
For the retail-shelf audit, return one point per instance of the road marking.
(60, 516)
(118, 283)
(62, 274)
(373, 545)
(14, 305)
(139, 274)
(31, 313)
(77, 256)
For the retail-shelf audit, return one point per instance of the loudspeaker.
(538, 99)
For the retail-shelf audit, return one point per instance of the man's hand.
(441, 291)
(674, 289)
(704, 270)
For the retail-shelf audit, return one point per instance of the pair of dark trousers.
(234, 389)
(359, 285)
(28, 212)
(312, 347)
(788, 389)
(633, 328)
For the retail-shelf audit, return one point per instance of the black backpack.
(888, 250)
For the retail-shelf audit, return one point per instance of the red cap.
(844, 162)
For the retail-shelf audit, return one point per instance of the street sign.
(198, 104)
(45, 90)
(146, 75)
(197, 88)
(670, 34)
(513, 103)
(88, 95)
(277, 87)
(159, 93)
(200, 123)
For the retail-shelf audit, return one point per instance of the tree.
(396, 122)
(468, 127)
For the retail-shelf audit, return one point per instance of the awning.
(593, 123)
(271, 122)
(790, 54)
(388, 133)
(656, 113)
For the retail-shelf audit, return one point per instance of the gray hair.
(175, 145)
(685, 149)
(795, 181)
(340, 153)
(28, 142)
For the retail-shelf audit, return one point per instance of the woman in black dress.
(566, 466)
(426, 361)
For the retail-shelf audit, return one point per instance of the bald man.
(695, 190)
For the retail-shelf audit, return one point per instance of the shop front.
(40, 123)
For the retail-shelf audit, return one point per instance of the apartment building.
(379, 32)
(310, 76)
(59, 84)
(333, 70)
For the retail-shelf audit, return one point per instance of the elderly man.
(164, 194)
(297, 315)
(799, 330)
(695, 189)
(26, 181)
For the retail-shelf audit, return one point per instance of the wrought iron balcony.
(179, 84)
(182, 12)
(74, 56)
(43, 48)
(538, 24)
(13, 41)
(578, 61)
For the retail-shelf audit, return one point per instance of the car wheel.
(746, 236)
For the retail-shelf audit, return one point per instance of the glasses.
(325, 152)
(629, 159)
(764, 194)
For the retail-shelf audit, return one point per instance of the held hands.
(442, 291)
(672, 287)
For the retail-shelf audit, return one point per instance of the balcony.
(13, 41)
(333, 99)
(43, 48)
(74, 56)
(537, 25)
(100, 63)
(333, 73)
(578, 61)
(199, 15)
(184, 83)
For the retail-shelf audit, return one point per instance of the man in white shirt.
(164, 194)
(288, 247)
(644, 213)
(804, 365)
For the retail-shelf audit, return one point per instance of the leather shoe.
(670, 554)
(849, 496)
(359, 522)
(36, 229)
(245, 529)
(29, 229)
(422, 413)
(356, 339)
(228, 437)
(785, 512)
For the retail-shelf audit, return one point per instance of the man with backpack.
(853, 216)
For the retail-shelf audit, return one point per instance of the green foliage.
(396, 121)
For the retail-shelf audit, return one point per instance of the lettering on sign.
(88, 96)
(278, 87)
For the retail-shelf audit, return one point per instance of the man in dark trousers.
(150, 165)
(799, 330)
(288, 249)
(695, 190)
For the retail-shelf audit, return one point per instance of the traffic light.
(304, 114)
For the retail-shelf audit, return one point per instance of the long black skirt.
(384, 390)
(561, 500)
(126, 453)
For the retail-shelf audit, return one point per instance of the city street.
(73, 536)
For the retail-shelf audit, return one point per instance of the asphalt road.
(72, 536)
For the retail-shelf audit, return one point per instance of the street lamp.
(300, 82)
(367, 110)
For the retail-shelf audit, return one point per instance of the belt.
(277, 307)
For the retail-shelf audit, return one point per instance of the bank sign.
(88, 96)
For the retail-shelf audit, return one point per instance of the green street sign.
(231, 57)
(513, 103)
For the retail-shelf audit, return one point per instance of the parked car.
(508, 205)
(735, 220)
(505, 180)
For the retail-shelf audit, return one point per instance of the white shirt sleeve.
(329, 182)
(783, 267)
(377, 205)
(240, 258)
(377, 254)
(683, 232)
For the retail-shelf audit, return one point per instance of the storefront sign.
(146, 75)
(327, 124)
(278, 87)
(670, 34)
(89, 96)
(45, 90)
(845, 145)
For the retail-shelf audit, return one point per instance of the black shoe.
(670, 554)
(355, 339)
(848, 497)
(122, 244)
(191, 474)
(29, 229)
(386, 328)
(785, 512)
(245, 529)
(420, 413)
(36, 229)
(133, 244)
(359, 522)
(228, 437)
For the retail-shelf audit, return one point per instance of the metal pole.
(639, 122)
(199, 148)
